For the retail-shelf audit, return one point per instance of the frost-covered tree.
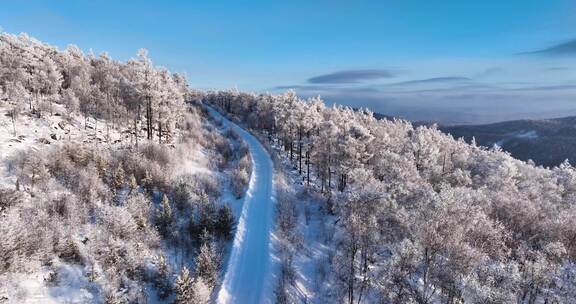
(99, 87)
(189, 290)
(165, 216)
(119, 177)
(184, 287)
(207, 265)
(162, 278)
(18, 95)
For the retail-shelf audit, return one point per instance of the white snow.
(30, 130)
(72, 287)
(311, 262)
(248, 273)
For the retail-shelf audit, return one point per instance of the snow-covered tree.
(184, 287)
(207, 265)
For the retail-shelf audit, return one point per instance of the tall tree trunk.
(364, 261)
(139, 111)
(322, 178)
(37, 102)
(342, 182)
(351, 275)
(30, 98)
(14, 121)
(159, 131)
(136, 131)
(425, 274)
(291, 150)
(300, 150)
(308, 167)
(329, 175)
(149, 118)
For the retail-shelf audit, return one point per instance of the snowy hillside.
(379, 211)
(115, 187)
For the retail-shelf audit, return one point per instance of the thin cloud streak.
(567, 48)
(435, 80)
(352, 76)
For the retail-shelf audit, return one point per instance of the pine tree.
(119, 177)
(183, 287)
(280, 292)
(207, 264)
(133, 183)
(205, 237)
(161, 281)
(165, 216)
(208, 216)
(100, 165)
(225, 222)
(201, 292)
(147, 181)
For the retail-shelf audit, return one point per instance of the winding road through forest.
(248, 272)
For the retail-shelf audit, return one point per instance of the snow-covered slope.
(57, 280)
(249, 265)
(49, 130)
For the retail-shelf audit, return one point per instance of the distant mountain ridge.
(547, 142)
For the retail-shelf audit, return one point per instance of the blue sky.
(447, 60)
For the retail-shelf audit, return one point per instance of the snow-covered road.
(248, 273)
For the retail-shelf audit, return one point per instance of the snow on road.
(249, 271)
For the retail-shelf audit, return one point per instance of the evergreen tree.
(225, 222)
(147, 182)
(165, 216)
(184, 288)
(201, 292)
(119, 176)
(207, 264)
(161, 281)
(189, 290)
(100, 165)
(208, 216)
(133, 183)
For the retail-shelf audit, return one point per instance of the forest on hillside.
(419, 216)
(110, 208)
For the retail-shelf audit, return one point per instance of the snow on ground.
(38, 133)
(311, 262)
(250, 267)
(71, 286)
(195, 161)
